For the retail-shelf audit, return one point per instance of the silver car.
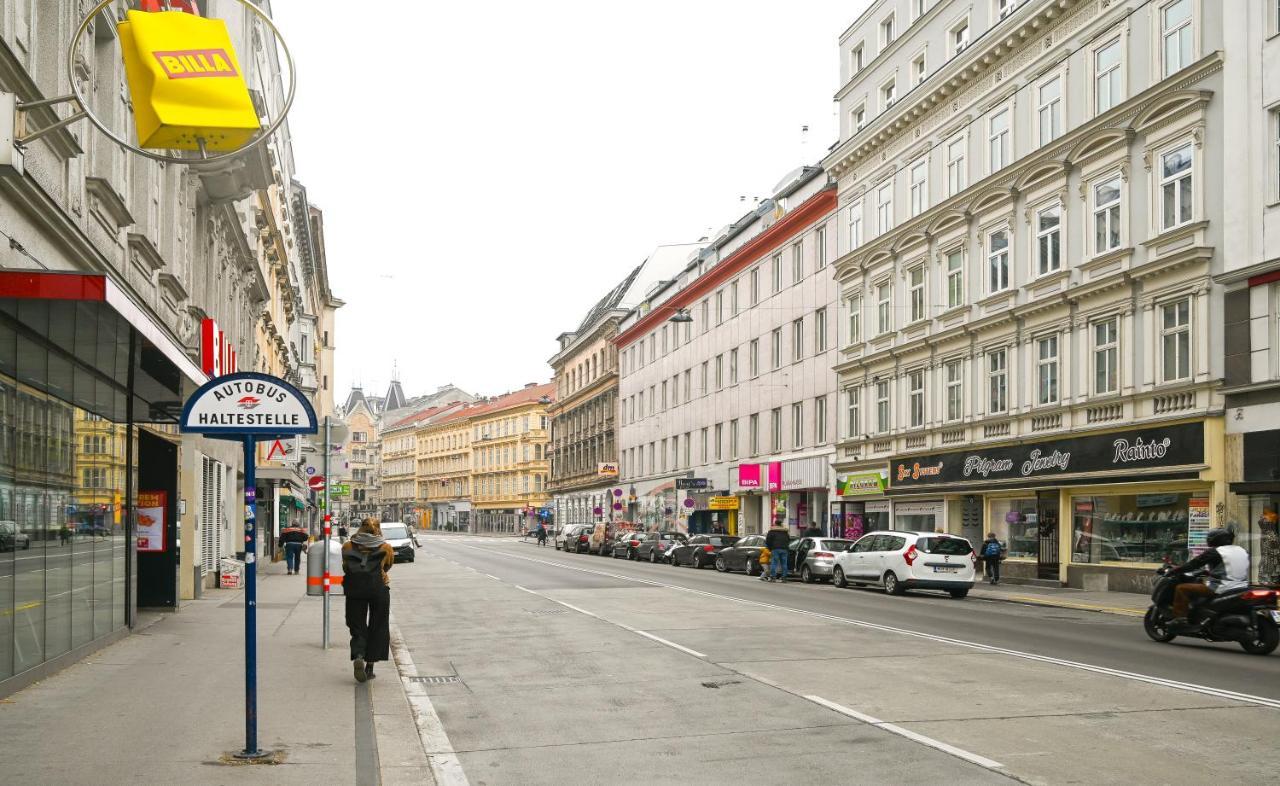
(816, 556)
(13, 539)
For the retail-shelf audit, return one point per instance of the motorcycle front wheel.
(1266, 640)
(1156, 627)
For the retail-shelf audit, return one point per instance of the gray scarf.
(367, 540)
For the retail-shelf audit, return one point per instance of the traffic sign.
(316, 482)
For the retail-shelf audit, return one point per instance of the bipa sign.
(217, 356)
(248, 404)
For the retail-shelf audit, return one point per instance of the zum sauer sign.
(1158, 446)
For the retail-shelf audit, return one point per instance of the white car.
(900, 561)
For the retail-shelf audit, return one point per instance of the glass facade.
(1147, 528)
(1255, 519)
(1016, 523)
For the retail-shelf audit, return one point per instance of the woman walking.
(366, 558)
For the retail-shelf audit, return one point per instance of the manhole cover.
(440, 680)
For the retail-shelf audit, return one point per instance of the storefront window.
(918, 516)
(1015, 523)
(1255, 523)
(1148, 528)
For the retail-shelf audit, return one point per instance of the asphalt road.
(1087, 637)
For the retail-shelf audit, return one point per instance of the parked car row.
(893, 560)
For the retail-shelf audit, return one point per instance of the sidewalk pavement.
(166, 704)
(1129, 604)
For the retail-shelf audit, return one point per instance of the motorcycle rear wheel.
(1267, 640)
(1157, 628)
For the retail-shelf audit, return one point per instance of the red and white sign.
(286, 450)
(217, 356)
(316, 482)
(150, 527)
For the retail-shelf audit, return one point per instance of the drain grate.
(444, 679)
(549, 611)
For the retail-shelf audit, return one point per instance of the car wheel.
(653, 556)
(891, 583)
(960, 594)
(696, 563)
(806, 575)
(837, 577)
(753, 568)
(720, 566)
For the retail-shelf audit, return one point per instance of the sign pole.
(328, 531)
(251, 750)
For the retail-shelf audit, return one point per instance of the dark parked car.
(700, 550)
(625, 544)
(742, 555)
(613, 535)
(657, 546)
(578, 538)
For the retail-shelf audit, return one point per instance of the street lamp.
(681, 317)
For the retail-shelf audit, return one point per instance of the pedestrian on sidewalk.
(293, 540)
(366, 558)
(992, 552)
(542, 534)
(777, 541)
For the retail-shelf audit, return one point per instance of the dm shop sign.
(1158, 446)
(246, 404)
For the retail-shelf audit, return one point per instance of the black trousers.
(368, 619)
(992, 566)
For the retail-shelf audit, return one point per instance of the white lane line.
(671, 644)
(444, 762)
(495, 578)
(960, 753)
(1189, 687)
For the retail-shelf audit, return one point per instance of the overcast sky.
(489, 170)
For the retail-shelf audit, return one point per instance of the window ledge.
(1175, 233)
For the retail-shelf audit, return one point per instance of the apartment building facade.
(509, 467)
(725, 389)
(1031, 225)
(444, 470)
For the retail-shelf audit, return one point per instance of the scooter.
(1247, 616)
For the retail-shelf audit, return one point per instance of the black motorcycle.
(1247, 616)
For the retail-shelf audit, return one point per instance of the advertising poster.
(1197, 525)
(151, 520)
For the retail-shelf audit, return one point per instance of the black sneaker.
(360, 669)
(368, 671)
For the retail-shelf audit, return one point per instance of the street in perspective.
(883, 391)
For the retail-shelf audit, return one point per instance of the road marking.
(671, 644)
(495, 578)
(444, 762)
(1203, 690)
(624, 626)
(960, 753)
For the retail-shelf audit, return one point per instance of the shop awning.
(293, 501)
(82, 339)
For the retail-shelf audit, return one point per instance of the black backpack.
(362, 573)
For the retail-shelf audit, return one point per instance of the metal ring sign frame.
(266, 134)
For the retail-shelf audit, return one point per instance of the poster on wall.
(1197, 525)
(151, 520)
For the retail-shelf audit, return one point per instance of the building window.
(719, 308)
(1047, 370)
(705, 320)
(888, 94)
(915, 397)
(858, 118)
(852, 414)
(1175, 340)
(854, 304)
(820, 420)
(1004, 8)
(797, 263)
(797, 339)
(753, 357)
(955, 166)
(998, 381)
(855, 59)
(959, 38)
(955, 390)
(955, 278)
(886, 31)
(733, 366)
(1175, 187)
(705, 387)
(820, 248)
(663, 453)
(775, 348)
(918, 70)
(884, 306)
(777, 273)
(820, 330)
(675, 390)
(664, 397)
(775, 430)
(753, 433)
(733, 298)
(703, 453)
(882, 407)
(1106, 215)
(1108, 90)
(998, 261)
(720, 441)
(797, 425)
(1049, 112)
(1175, 31)
(998, 141)
(919, 187)
(719, 372)
(884, 207)
(918, 7)
(917, 292)
(1049, 240)
(1106, 356)
(733, 438)
(855, 225)
(688, 388)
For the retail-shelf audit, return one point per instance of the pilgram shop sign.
(248, 403)
(1155, 447)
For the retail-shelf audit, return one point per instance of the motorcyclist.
(1228, 567)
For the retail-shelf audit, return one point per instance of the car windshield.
(394, 532)
(722, 540)
(832, 545)
(951, 546)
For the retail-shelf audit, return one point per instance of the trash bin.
(315, 567)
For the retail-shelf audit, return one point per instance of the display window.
(918, 516)
(1255, 520)
(1146, 528)
(1015, 523)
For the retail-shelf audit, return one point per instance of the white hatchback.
(900, 561)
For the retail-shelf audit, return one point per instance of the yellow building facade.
(509, 466)
(444, 470)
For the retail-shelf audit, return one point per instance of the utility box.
(315, 568)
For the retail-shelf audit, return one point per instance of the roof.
(529, 394)
(609, 301)
(425, 415)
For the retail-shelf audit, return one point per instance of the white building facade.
(738, 400)
(1030, 227)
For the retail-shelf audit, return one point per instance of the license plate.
(1275, 615)
(946, 568)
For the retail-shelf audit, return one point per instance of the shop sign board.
(1198, 520)
(151, 526)
(767, 476)
(1156, 446)
(722, 503)
(860, 483)
(248, 404)
(607, 469)
(692, 483)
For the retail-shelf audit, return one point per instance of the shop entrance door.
(1047, 516)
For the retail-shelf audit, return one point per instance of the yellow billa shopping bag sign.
(186, 82)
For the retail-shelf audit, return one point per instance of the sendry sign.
(246, 404)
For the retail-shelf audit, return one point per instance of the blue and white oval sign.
(248, 404)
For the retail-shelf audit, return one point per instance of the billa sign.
(1180, 446)
(248, 404)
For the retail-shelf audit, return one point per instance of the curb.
(1034, 600)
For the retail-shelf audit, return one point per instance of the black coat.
(777, 539)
